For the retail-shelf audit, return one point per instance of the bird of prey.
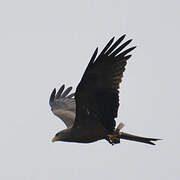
(90, 112)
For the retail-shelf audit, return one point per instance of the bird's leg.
(109, 140)
(115, 138)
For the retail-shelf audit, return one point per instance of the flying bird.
(89, 113)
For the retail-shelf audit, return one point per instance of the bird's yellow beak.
(55, 139)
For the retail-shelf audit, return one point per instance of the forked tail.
(131, 137)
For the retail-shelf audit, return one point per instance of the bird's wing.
(63, 105)
(97, 95)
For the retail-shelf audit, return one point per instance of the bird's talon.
(113, 139)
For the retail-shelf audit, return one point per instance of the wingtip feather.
(61, 89)
(115, 45)
(66, 92)
(126, 52)
(52, 97)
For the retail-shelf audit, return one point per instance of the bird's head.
(61, 136)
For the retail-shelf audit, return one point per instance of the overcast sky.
(44, 44)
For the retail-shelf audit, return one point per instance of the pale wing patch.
(68, 117)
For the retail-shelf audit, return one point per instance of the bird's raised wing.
(97, 95)
(63, 105)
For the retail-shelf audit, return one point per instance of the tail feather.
(137, 138)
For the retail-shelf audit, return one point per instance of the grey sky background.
(44, 44)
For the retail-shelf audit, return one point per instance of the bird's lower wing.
(66, 116)
(63, 105)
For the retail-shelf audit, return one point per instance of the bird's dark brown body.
(84, 135)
